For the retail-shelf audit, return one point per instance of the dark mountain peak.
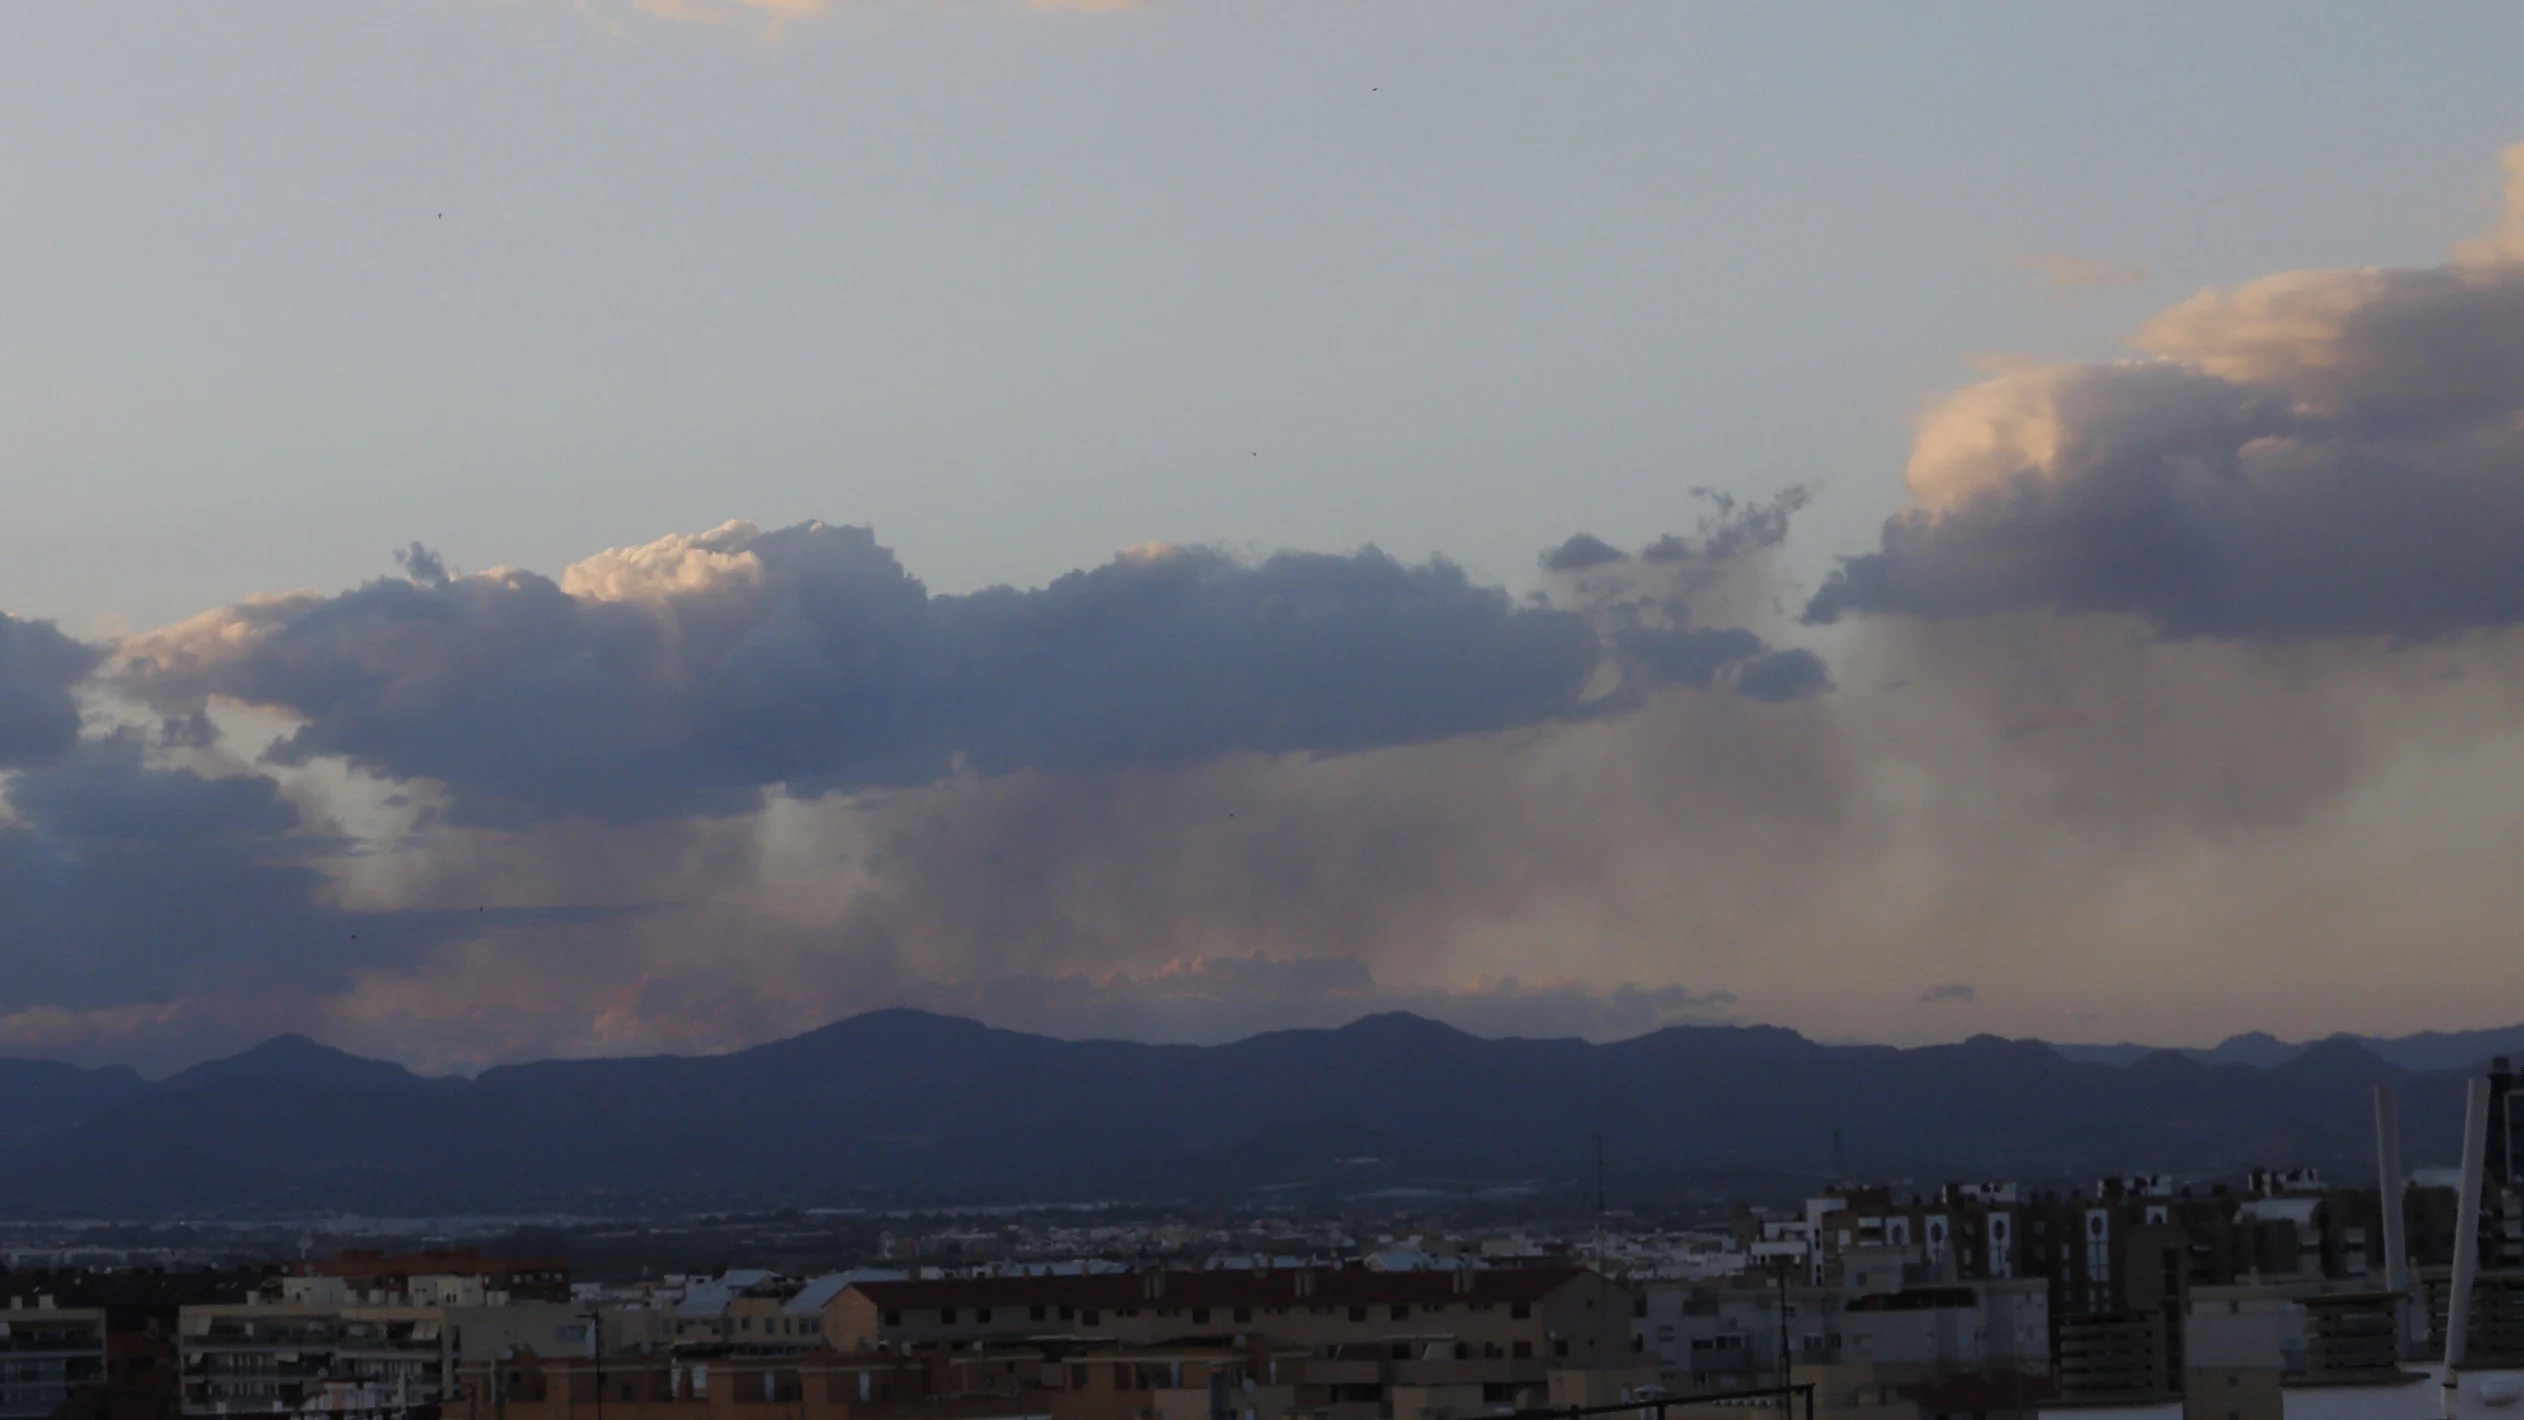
(874, 1036)
(1987, 1044)
(2254, 1047)
(1716, 1039)
(2165, 1061)
(47, 1096)
(1402, 1027)
(296, 1060)
(2342, 1058)
(892, 1025)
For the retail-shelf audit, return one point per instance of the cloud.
(731, 784)
(2067, 278)
(40, 671)
(771, 18)
(1780, 676)
(1206, 1000)
(121, 882)
(691, 674)
(2317, 453)
(1579, 553)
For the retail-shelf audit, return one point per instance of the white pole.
(2466, 1234)
(2389, 1182)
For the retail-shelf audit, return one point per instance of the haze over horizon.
(578, 530)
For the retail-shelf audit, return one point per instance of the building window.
(1524, 1350)
(1092, 1317)
(1559, 1348)
(1358, 1313)
(1401, 1312)
(981, 1314)
(946, 1316)
(1402, 1350)
(1244, 1314)
(1200, 1316)
(1463, 1351)
(1521, 1310)
(892, 1318)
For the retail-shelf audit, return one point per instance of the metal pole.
(2466, 1234)
(1599, 1200)
(1786, 1366)
(2389, 1182)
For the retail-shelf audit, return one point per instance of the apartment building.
(336, 1340)
(47, 1352)
(1892, 1343)
(1054, 1381)
(487, 1277)
(1461, 1340)
(751, 1310)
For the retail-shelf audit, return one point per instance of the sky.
(569, 528)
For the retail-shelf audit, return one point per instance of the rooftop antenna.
(1599, 1200)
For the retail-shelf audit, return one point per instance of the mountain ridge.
(911, 1105)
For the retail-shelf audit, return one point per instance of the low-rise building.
(47, 1352)
(332, 1338)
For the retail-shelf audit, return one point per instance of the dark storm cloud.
(688, 675)
(1781, 676)
(2326, 453)
(107, 791)
(1695, 656)
(121, 882)
(124, 882)
(40, 670)
(2253, 521)
(1737, 527)
(1580, 552)
(420, 564)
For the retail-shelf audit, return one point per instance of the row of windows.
(1200, 1316)
(771, 1325)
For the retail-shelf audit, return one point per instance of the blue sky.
(1020, 287)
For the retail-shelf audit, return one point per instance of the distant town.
(2280, 1295)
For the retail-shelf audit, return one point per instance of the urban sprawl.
(2280, 1296)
